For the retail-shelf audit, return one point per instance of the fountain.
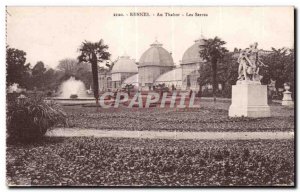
(14, 88)
(72, 87)
(73, 92)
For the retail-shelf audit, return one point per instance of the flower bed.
(210, 117)
(111, 161)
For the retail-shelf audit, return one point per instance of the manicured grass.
(111, 161)
(210, 117)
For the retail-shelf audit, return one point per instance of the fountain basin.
(68, 101)
(76, 101)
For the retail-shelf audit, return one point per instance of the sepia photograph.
(150, 96)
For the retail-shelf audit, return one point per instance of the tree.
(17, 70)
(50, 78)
(280, 64)
(37, 72)
(85, 76)
(289, 68)
(213, 51)
(93, 53)
(71, 67)
(205, 76)
(226, 73)
(68, 66)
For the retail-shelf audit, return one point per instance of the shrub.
(30, 119)
(49, 94)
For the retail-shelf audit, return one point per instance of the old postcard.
(150, 96)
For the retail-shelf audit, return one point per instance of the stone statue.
(249, 98)
(249, 64)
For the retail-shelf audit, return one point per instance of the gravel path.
(75, 132)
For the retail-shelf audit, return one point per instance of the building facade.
(104, 79)
(154, 61)
(156, 66)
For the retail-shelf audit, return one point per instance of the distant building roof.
(170, 77)
(132, 80)
(156, 55)
(192, 55)
(125, 65)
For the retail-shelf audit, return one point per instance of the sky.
(50, 34)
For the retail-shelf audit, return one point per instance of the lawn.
(112, 162)
(210, 117)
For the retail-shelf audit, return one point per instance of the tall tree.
(17, 70)
(280, 64)
(50, 79)
(93, 53)
(226, 73)
(38, 75)
(213, 51)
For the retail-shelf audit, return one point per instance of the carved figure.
(249, 64)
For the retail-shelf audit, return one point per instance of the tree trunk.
(214, 78)
(200, 90)
(95, 77)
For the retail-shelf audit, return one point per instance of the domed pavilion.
(122, 69)
(153, 62)
(190, 65)
(156, 66)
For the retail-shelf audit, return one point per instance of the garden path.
(77, 132)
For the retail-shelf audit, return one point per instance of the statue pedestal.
(287, 98)
(249, 100)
